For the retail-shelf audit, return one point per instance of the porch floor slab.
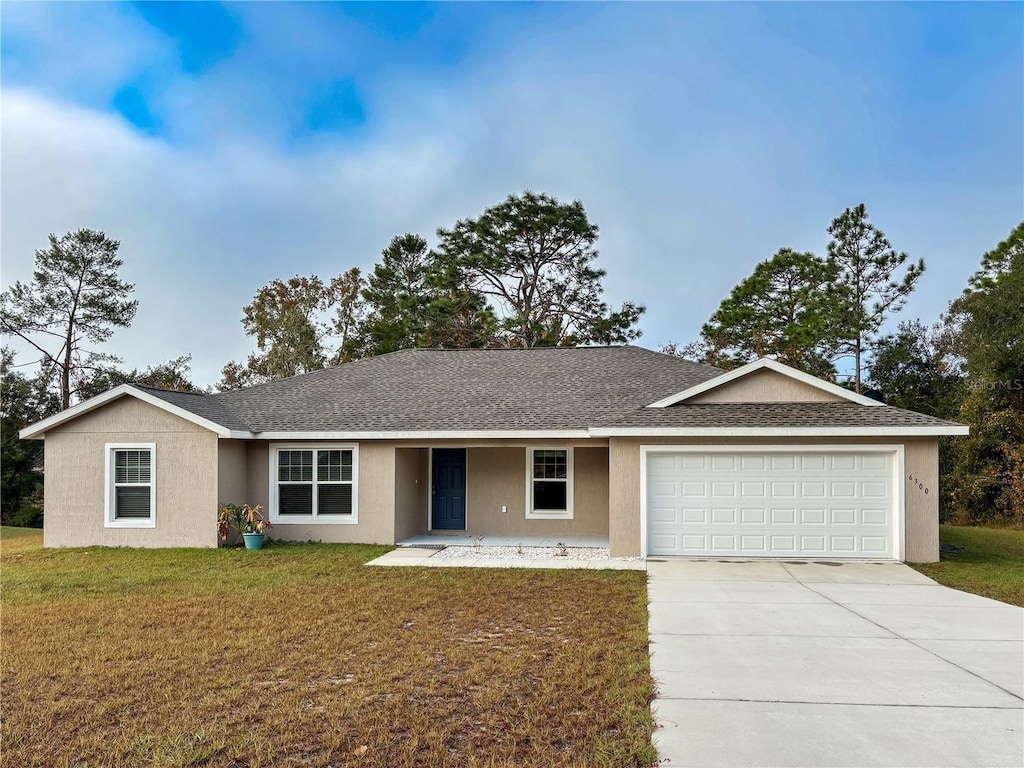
(440, 539)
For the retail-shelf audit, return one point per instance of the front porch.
(538, 495)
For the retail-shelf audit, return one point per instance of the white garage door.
(771, 504)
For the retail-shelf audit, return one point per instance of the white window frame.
(110, 496)
(313, 518)
(550, 514)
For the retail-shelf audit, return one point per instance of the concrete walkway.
(826, 664)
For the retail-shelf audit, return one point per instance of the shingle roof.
(201, 404)
(780, 415)
(555, 388)
(561, 388)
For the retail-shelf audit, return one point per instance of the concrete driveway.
(828, 664)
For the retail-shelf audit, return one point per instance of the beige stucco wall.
(394, 486)
(920, 462)
(412, 486)
(232, 469)
(376, 495)
(497, 477)
(187, 467)
(232, 472)
(765, 386)
(922, 508)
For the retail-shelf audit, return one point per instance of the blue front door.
(448, 490)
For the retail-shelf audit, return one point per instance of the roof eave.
(424, 434)
(937, 430)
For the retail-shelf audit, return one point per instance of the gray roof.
(560, 388)
(780, 415)
(556, 388)
(201, 404)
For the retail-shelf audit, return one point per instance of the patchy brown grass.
(301, 656)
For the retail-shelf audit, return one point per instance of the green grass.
(991, 564)
(299, 655)
(10, 532)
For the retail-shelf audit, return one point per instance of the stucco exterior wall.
(375, 492)
(765, 386)
(412, 485)
(921, 494)
(232, 472)
(232, 469)
(921, 509)
(497, 477)
(187, 467)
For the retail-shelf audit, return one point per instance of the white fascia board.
(758, 365)
(465, 434)
(39, 429)
(905, 431)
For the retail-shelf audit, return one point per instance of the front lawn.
(301, 656)
(991, 563)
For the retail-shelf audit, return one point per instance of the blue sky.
(228, 145)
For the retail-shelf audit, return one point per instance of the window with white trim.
(314, 484)
(131, 485)
(549, 483)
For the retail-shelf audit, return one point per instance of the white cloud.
(88, 50)
(694, 169)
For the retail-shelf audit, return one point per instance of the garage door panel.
(720, 516)
(834, 503)
(874, 516)
(665, 488)
(783, 516)
(876, 545)
(812, 516)
(720, 461)
(693, 490)
(875, 490)
(783, 544)
(843, 545)
(753, 462)
(813, 462)
(843, 516)
(840, 462)
(751, 490)
(667, 515)
(874, 461)
(813, 490)
(782, 461)
(723, 489)
(752, 516)
(665, 463)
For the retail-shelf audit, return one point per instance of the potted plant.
(247, 521)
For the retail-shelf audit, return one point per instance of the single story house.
(658, 455)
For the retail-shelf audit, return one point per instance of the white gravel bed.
(529, 553)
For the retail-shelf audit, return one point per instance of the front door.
(448, 490)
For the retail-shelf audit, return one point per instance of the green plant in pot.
(248, 521)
